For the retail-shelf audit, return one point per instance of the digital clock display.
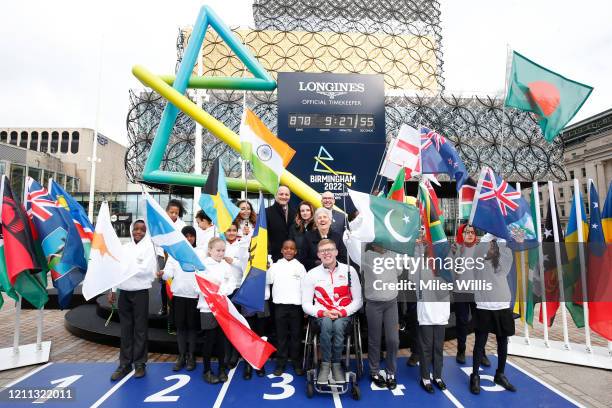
(331, 121)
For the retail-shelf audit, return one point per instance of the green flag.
(388, 223)
(5, 284)
(554, 98)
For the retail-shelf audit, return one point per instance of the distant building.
(64, 154)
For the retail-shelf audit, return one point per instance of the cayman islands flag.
(388, 223)
(502, 211)
(267, 154)
(59, 238)
(252, 291)
(165, 235)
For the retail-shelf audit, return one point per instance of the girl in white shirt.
(219, 272)
(205, 230)
(184, 306)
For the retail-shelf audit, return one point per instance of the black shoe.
(391, 382)
(180, 363)
(501, 379)
(232, 364)
(222, 376)
(299, 371)
(279, 370)
(140, 371)
(412, 360)
(475, 384)
(248, 371)
(460, 355)
(440, 384)
(120, 372)
(378, 380)
(485, 361)
(427, 387)
(190, 363)
(162, 311)
(261, 373)
(210, 378)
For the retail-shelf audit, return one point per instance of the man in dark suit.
(328, 200)
(280, 219)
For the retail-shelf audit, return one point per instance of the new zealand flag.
(59, 238)
(438, 155)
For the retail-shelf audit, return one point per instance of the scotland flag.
(165, 235)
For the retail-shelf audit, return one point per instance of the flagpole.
(553, 210)
(197, 157)
(538, 219)
(243, 164)
(524, 277)
(585, 303)
(503, 127)
(380, 167)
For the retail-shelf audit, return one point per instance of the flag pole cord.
(524, 277)
(553, 209)
(382, 159)
(538, 219)
(585, 303)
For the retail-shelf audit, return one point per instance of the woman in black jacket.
(308, 252)
(304, 222)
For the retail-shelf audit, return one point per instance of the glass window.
(583, 172)
(23, 142)
(35, 174)
(572, 174)
(3, 136)
(74, 144)
(54, 142)
(562, 210)
(44, 142)
(561, 192)
(18, 180)
(77, 184)
(34, 141)
(61, 179)
(64, 142)
(2, 168)
(13, 139)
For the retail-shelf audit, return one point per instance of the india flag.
(267, 153)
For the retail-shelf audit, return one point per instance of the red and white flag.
(404, 151)
(251, 347)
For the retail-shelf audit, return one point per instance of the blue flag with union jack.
(501, 210)
(438, 155)
(59, 239)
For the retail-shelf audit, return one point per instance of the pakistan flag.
(388, 223)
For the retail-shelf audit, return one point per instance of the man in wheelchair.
(331, 292)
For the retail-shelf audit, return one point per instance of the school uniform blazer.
(278, 228)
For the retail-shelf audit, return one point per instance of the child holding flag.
(134, 302)
(184, 306)
(205, 231)
(219, 272)
(175, 211)
(286, 275)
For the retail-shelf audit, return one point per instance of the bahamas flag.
(571, 271)
(214, 200)
(606, 216)
(252, 291)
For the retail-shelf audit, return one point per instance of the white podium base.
(28, 355)
(599, 357)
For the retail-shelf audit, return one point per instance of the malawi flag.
(599, 284)
(268, 154)
(252, 292)
(466, 198)
(397, 192)
(554, 98)
(251, 347)
(215, 201)
(19, 264)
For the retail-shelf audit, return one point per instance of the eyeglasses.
(469, 232)
(327, 250)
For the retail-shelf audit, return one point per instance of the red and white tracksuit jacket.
(329, 288)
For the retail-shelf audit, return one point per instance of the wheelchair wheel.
(356, 392)
(309, 390)
(358, 349)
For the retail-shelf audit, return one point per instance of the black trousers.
(479, 351)
(187, 322)
(289, 320)
(214, 339)
(462, 321)
(134, 318)
(412, 327)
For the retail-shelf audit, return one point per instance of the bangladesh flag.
(554, 98)
(397, 192)
(388, 223)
